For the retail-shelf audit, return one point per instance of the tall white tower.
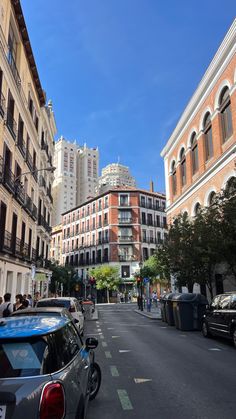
(75, 177)
(115, 175)
(87, 173)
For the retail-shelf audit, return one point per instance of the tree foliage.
(196, 247)
(65, 275)
(107, 277)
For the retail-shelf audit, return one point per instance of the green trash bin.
(169, 308)
(163, 304)
(189, 309)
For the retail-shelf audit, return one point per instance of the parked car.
(45, 370)
(220, 318)
(46, 312)
(70, 303)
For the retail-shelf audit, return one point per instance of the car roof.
(58, 298)
(21, 327)
(34, 310)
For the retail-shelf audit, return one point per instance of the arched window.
(194, 148)
(173, 178)
(183, 167)
(197, 209)
(226, 114)
(231, 185)
(207, 128)
(211, 198)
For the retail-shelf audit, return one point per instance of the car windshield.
(54, 303)
(28, 357)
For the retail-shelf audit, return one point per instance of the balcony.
(42, 182)
(11, 125)
(124, 204)
(126, 258)
(16, 247)
(29, 160)
(126, 220)
(126, 239)
(13, 67)
(42, 222)
(152, 206)
(21, 145)
(2, 105)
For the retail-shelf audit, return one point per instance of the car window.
(224, 302)
(54, 303)
(28, 357)
(215, 302)
(233, 302)
(68, 344)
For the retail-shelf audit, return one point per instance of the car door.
(223, 318)
(213, 314)
(73, 367)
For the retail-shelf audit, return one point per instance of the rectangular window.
(124, 200)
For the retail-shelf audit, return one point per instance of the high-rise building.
(115, 175)
(76, 176)
(27, 129)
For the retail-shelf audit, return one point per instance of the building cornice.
(217, 65)
(28, 50)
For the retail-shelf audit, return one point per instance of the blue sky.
(120, 72)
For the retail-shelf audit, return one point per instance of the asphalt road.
(153, 371)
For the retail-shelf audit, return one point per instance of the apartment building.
(115, 175)
(200, 155)
(56, 244)
(27, 129)
(119, 227)
(75, 177)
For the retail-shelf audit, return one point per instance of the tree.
(65, 275)
(107, 277)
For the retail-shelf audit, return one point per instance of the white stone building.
(115, 175)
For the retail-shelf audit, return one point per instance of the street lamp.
(141, 285)
(31, 172)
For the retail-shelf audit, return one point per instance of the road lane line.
(101, 336)
(124, 350)
(124, 400)
(108, 354)
(114, 337)
(114, 371)
(104, 344)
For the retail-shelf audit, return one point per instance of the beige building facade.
(27, 129)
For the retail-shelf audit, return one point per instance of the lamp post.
(141, 285)
(48, 169)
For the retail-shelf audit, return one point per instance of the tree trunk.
(108, 299)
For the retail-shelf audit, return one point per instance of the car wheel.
(94, 380)
(205, 330)
(234, 337)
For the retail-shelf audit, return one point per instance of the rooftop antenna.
(118, 160)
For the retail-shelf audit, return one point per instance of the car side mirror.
(91, 343)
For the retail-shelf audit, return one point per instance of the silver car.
(45, 370)
(72, 305)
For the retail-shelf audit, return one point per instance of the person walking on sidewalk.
(6, 308)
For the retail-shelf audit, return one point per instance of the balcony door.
(3, 213)
(13, 233)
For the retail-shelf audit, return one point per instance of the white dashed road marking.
(141, 380)
(108, 354)
(114, 371)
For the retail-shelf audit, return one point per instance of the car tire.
(205, 330)
(234, 337)
(94, 380)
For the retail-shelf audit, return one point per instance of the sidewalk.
(154, 314)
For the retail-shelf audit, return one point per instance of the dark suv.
(220, 318)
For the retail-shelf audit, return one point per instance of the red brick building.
(120, 227)
(200, 155)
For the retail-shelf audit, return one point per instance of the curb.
(149, 315)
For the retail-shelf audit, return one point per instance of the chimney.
(151, 186)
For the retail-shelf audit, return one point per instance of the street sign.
(145, 280)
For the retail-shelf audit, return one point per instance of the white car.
(72, 305)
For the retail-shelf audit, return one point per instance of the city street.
(150, 370)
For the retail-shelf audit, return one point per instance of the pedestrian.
(37, 298)
(154, 298)
(19, 304)
(6, 308)
(29, 298)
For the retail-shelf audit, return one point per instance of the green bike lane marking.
(124, 399)
(114, 371)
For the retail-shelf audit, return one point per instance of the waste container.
(163, 311)
(169, 308)
(188, 310)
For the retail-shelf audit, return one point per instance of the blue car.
(45, 369)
